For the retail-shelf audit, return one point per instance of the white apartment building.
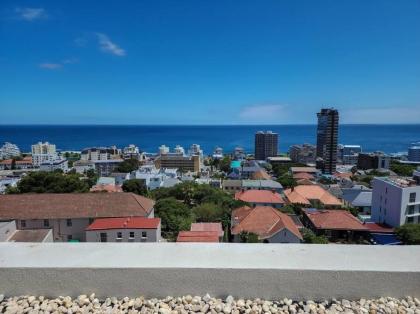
(163, 150)
(42, 153)
(395, 201)
(57, 164)
(9, 150)
(100, 153)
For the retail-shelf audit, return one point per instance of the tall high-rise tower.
(266, 145)
(327, 139)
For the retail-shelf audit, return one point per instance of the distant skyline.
(209, 62)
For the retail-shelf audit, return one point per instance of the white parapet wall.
(270, 271)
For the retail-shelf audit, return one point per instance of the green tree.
(287, 181)
(402, 169)
(175, 216)
(128, 165)
(409, 233)
(92, 177)
(136, 186)
(224, 164)
(310, 237)
(208, 212)
(51, 182)
(248, 237)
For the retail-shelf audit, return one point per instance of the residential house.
(260, 197)
(271, 225)
(25, 163)
(312, 195)
(6, 164)
(334, 224)
(208, 226)
(359, 197)
(68, 215)
(124, 229)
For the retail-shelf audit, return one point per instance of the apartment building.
(68, 215)
(266, 145)
(43, 153)
(376, 160)
(395, 201)
(57, 164)
(9, 150)
(304, 154)
(100, 153)
(124, 229)
(414, 152)
(183, 163)
(327, 138)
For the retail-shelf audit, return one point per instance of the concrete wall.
(247, 270)
(7, 228)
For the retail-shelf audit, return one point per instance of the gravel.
(206, 304)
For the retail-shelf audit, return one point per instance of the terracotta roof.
(198, 236)
(304, 182)
(303, 175)
(302, 194)
(124, 223)
(261, 175)
(343, 175)
(208, 226)
(378, 228)
(265, 221)
(25, 160)
(259, 196)
(73, 205)
(106, 188)
(6, 162)
(334, 220)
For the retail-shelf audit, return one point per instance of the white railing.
(270, 271)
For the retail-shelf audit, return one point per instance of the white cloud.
(31, 14)
(379, 115)
(51, 66)
(106, 45)
(70, 61)
(264, 114)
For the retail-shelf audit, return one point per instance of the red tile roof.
(6, 162)
(73, 205)
(124, 223)
(378, 228)
(334, 220)
(208, 226)
(259, 196)
(303, 194)
(303, 175)
(265, 221)
(198, 236)
(24, 161)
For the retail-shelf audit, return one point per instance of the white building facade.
(43, 153)
(395, 202)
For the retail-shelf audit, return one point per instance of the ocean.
(387, 138)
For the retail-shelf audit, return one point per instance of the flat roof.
(29, 235)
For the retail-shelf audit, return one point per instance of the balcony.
(269, 271)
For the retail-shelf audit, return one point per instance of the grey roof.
(234, 183)
(262, 183)
(358, 197)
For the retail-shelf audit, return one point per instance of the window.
(69, 223)
(410, 220)
(46, 223)
(410, 209)
(119, 235)
(23, 223)
(144, 234)
(69, 237)
(412, 197)
(131, 234)
(104, 237)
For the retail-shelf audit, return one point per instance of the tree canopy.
(310, 237)
(409, 233)
(402, 169)
(137, 186)
(248, 237)
(50, 182)
(128, 165)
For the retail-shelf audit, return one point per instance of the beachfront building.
(348, 154)
(182, 163)
(271, 225)
(395, 201)
(42, 153)
(376, 160)
(9, 150)
(414, 152)
(266, 145)
(195, 150)
(68, 215)
(327, 138)
(100, 153)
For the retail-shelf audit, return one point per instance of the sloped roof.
(259, 196)
(198, 236)
(302, 194)
(265, 221)
(124, 223)
(303, 175)
(334, 220)
(303, 169)
(73, 205)
(208, 226)
(111, 188)
(358, 197)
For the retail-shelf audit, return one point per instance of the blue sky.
(208, 62)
